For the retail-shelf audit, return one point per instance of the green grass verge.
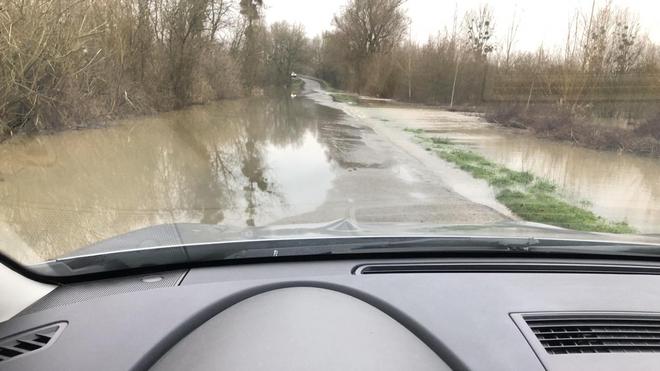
(531, 198)
(549, 209)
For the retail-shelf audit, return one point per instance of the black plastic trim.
(59, 280)
(503, 267)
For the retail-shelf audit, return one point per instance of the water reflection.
(615, 186)
(221, 163)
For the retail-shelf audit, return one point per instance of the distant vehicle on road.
(294, 75)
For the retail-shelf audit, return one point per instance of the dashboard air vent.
(564, 334)
(30, 341)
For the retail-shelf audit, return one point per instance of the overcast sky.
(540, 21)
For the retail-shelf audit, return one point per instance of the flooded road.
(276, 161)
(236, 162)
(619, 187)
(241, 163)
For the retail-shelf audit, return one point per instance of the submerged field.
(526, 195)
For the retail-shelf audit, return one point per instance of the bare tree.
(510, 39)
(288, 47)
(370, 27)
(237, 36)
(185, 29)
(596, 48)
(480, 27)
(626, 49)
(251, 9)
(251, 12)
(217, 17)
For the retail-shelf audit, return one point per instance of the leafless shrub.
(560, 123)
(507, 115)
(650, 128)
(66, 63)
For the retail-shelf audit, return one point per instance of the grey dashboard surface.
(301, 328)
(463, 317)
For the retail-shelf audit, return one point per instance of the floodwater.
(271, 160)
(616, 186)
(242, 162)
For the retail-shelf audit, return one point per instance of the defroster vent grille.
(563, 334)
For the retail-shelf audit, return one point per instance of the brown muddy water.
(242, 162)
(259, 161)
(616, 186)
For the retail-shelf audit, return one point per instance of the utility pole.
(410, 49)
(456, 56)
(453, 86)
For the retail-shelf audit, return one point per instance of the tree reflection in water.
(206, 164)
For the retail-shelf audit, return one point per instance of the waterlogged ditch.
(526, 195)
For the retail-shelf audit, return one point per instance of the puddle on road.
(303, 174)
(243, 162)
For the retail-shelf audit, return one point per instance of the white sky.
(540, 21)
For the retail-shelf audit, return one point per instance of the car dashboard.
(370, 314)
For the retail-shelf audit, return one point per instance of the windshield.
(140, 124)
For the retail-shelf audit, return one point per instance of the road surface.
(387, 177)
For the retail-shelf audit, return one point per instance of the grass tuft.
(436, 140)
(543, 186)
(414, 131)
(519, 177)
